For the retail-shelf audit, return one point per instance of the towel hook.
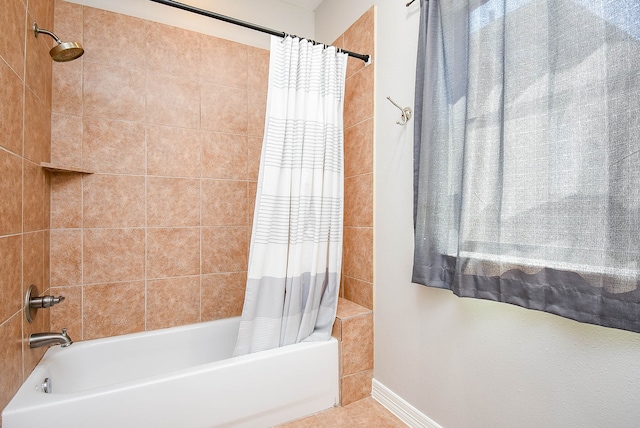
(406, 113)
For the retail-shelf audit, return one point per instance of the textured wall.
(25, 110)
(171, 122)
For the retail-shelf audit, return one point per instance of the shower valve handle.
(45, 301)
(33, 302)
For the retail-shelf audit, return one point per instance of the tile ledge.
(349, 309)
(63, 168)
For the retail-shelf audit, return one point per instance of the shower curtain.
(295, 256)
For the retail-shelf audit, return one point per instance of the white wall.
(468, 363)
(274, 14)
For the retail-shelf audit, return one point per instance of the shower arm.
(37, 30)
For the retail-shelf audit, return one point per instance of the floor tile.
(364, 413)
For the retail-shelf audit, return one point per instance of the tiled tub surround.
(354, 330)
(174, 137)
(25, 128)
(357, 268)
(354, 322)
(158, 236)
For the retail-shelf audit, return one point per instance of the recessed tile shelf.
(63, 168)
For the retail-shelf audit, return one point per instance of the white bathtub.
(176, 377)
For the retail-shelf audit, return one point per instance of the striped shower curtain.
(296, 245)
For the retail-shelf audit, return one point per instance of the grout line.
(146, 222)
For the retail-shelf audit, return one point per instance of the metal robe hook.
(406, 113)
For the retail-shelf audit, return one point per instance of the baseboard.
(403, 410)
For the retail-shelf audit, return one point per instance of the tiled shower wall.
(357, 265)
(170, 121)
(171, 124)
(25, 109)
(354, 323)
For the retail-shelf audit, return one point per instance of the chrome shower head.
(63, 51)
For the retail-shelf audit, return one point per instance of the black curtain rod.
(245, 24)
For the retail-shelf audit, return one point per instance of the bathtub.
(176, 377)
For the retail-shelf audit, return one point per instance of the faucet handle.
(33, 302)
(45, 301)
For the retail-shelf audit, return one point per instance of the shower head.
(63, 51)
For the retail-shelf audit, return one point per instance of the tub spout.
(36, 340)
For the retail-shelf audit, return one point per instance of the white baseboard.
(399, 407)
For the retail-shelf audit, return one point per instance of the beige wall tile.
(358, 253)
(47, 258)
(111, 255)
(224, 203)
(113, 201)
(358, 104)
(11, 109)
(33, 197)
(258, 69)
(356, 387)
(12, 22)
(224, 109)
(113, 309)
(173, 152)
(66, 201)
(38, 63)
(360, 292)
(172, 302)
(172, 50)
(172, 101)
(223, 62)
(173, 252)
(358, 200)
(224, 156)
(10, 193)
(223, 295)
(114, 39)
(173, 202)
(66, 86)
(224, 249)
(357, 344)
(33, 261)
(66, 257)
(68, 21)
(66, 139)
(113, 146)
(68, 314)
(42, 12)
(10, 276)
(11, 357)
(257, 113)
(113, 92)
(358, 149)
(37, 129)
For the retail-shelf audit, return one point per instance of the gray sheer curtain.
(527, 150)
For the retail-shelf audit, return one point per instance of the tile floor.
(364, 413)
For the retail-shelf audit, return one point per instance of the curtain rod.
(245, 24)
